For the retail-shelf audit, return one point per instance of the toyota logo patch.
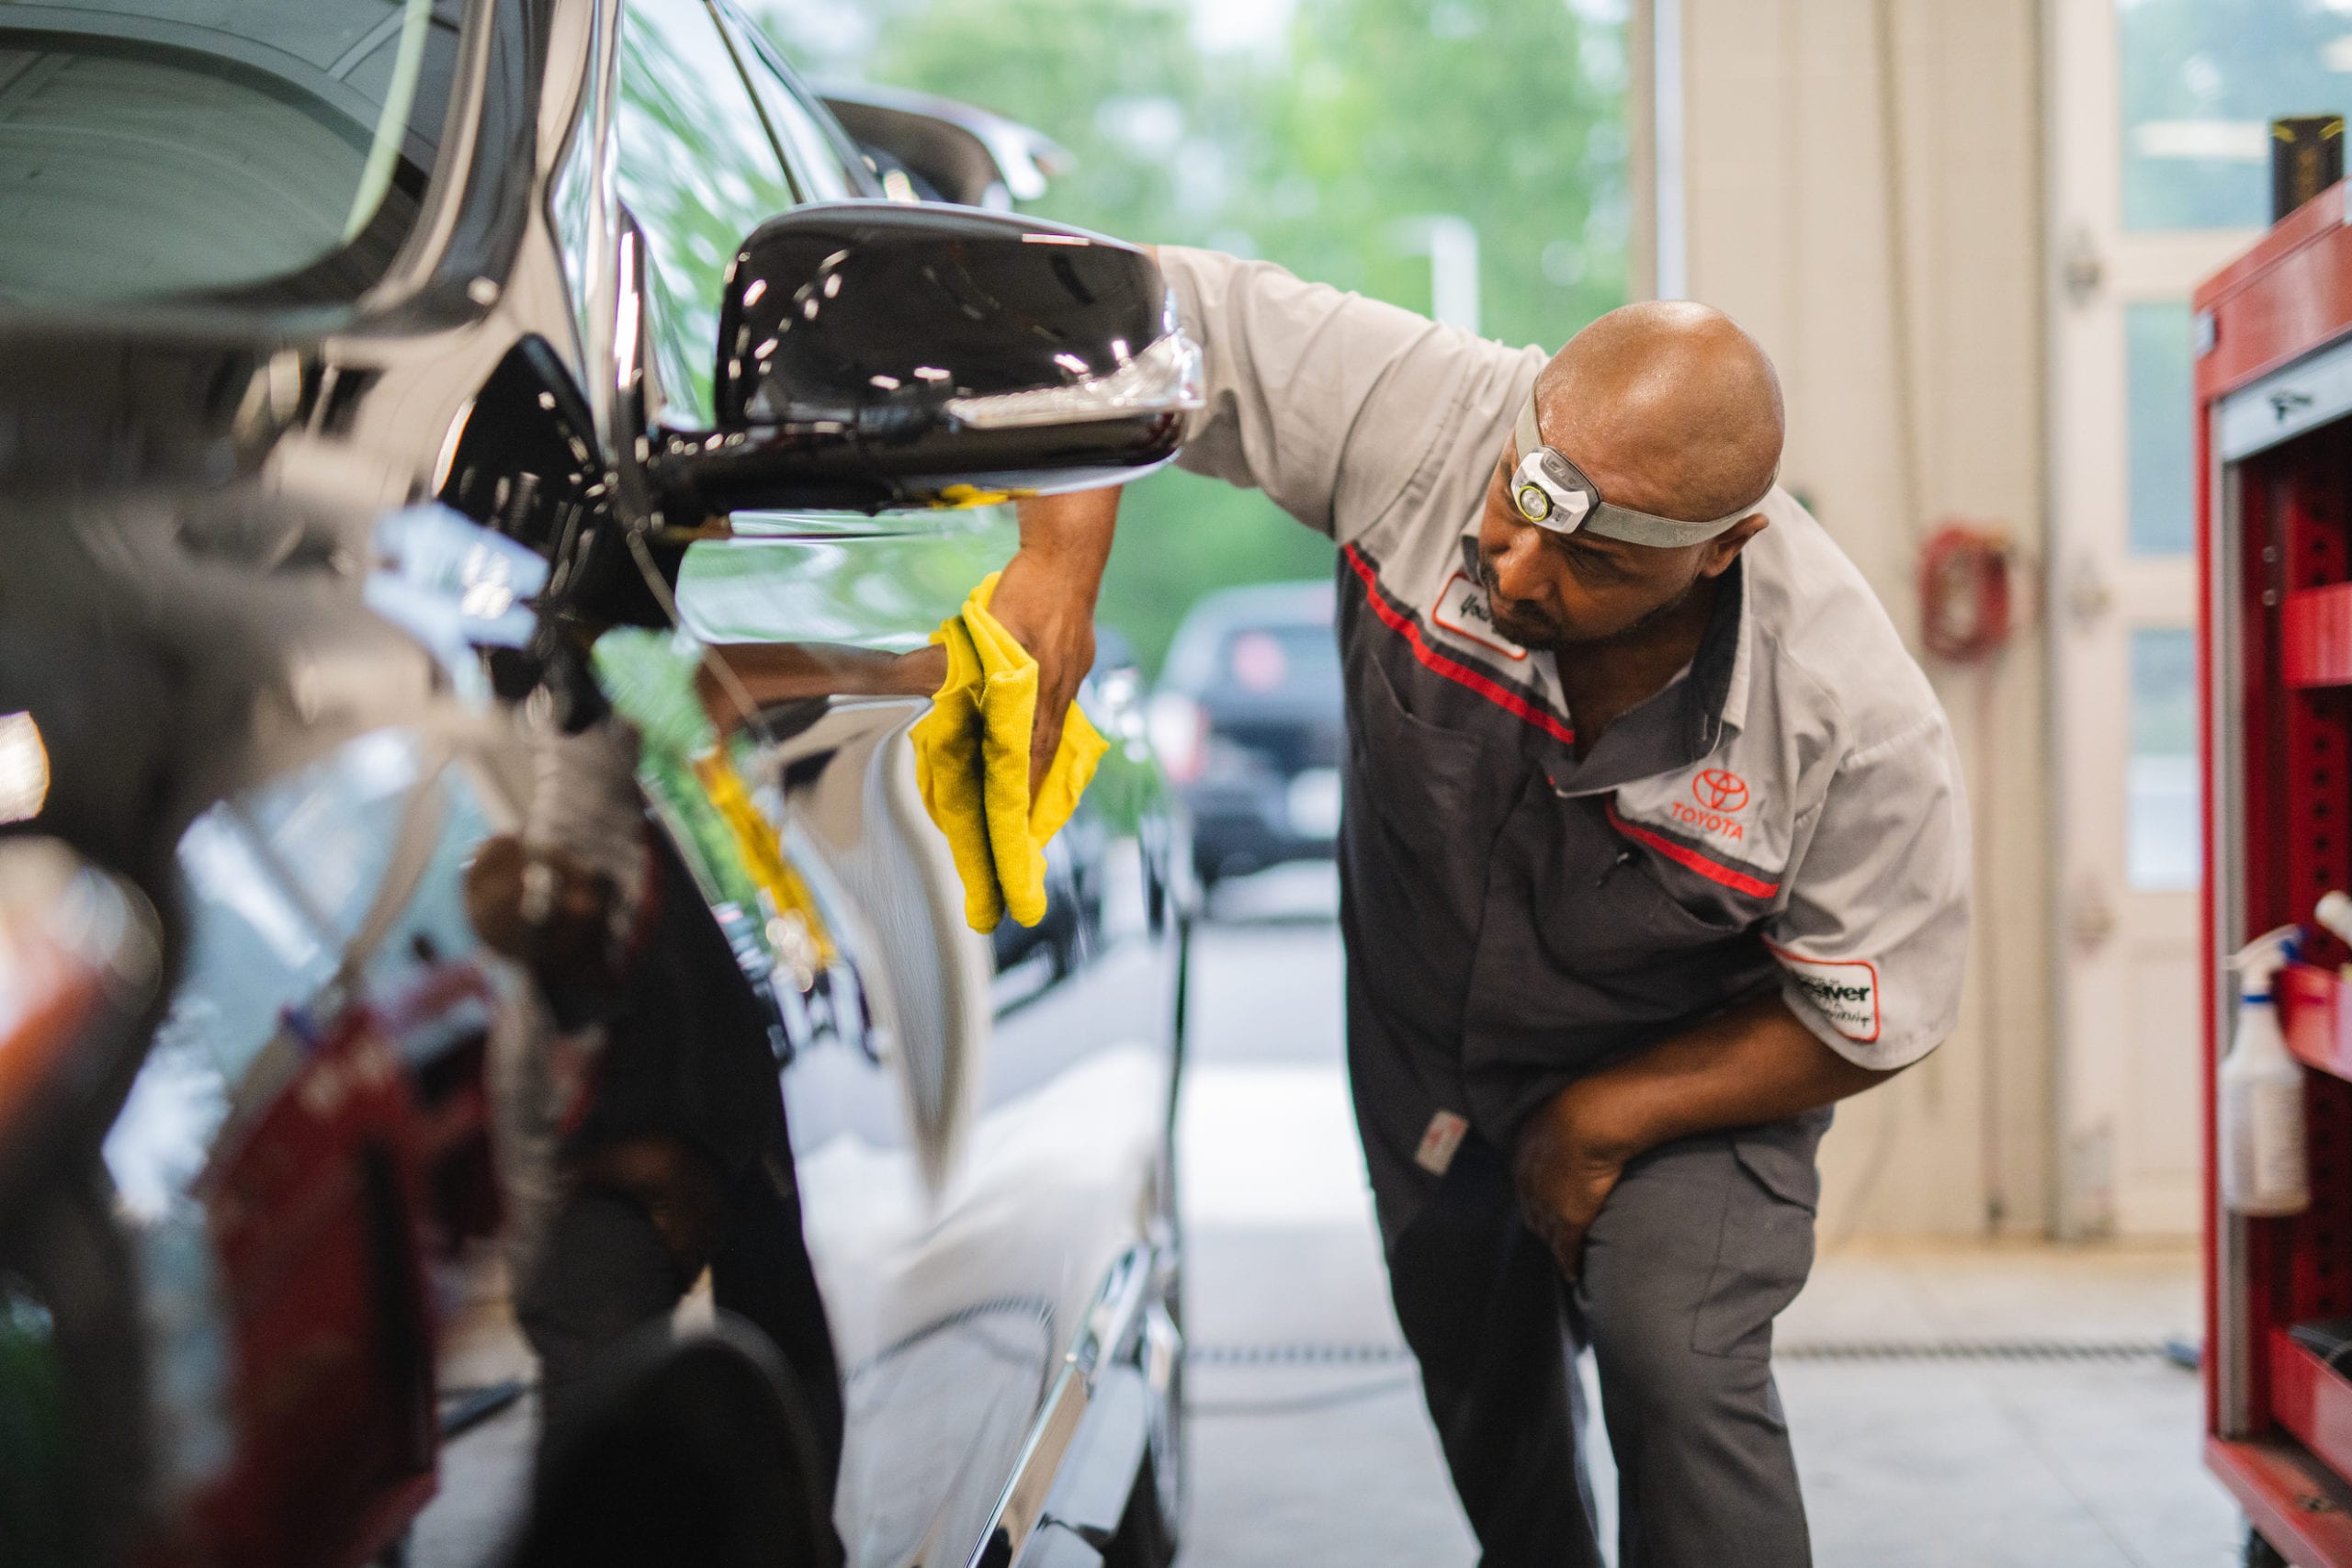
(1719, 789)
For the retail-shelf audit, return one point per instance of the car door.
(980, 1129)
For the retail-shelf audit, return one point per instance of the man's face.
(1549, 590)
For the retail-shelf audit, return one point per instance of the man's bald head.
(1668, 407)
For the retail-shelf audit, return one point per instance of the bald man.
(1654, 849)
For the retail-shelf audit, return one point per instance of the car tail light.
(1180, 734)
(1258, 663)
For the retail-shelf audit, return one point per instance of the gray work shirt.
(1787, 812)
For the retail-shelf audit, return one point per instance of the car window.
(150, 148)
(827, 166)
(696, 169)
(1286, 657)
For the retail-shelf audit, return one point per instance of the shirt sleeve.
(1873, 941)
(1326, 400)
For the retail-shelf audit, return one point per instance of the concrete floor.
(1309, 1445)
(1908, 1457)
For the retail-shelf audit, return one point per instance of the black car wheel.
(696, 1453)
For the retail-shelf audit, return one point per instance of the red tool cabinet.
(2273, 395)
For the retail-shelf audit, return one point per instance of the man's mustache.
(1496, 604)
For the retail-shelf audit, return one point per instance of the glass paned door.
(2157, 388)
(2160, 779)
(2158, 174)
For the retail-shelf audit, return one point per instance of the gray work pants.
(1701, 1245)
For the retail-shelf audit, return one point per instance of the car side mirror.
(874, 355)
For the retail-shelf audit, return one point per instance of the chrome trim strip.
(1112, 1327)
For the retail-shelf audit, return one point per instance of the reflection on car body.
(967, 1188)
(218, 1256)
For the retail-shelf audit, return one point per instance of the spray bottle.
(2264, 1170)
(2335, 912)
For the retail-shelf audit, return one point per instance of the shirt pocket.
(1608, 912)
(1413, 781)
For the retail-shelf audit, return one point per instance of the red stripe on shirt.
(1458, 673)
(1684, 855)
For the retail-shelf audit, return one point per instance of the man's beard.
(1551, 638)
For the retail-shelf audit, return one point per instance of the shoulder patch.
(1845, 991)
(1462, 610)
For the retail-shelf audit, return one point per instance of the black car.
(1249, 721)
(342, 341)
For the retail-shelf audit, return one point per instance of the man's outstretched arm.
(1746, 1065)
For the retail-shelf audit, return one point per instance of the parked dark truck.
(382, 385)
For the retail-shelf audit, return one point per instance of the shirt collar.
(1709, 697)
(1731, 708)
(1711, 688)
(1711, 692)
(1688, 717)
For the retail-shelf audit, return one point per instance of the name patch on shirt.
(1844, 991)
(1462, 610)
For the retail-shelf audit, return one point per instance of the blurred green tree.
(1320, 151)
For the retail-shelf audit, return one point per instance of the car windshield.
(273, 148)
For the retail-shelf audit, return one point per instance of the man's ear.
(1725, 548)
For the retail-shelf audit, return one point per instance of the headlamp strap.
(1552, 492)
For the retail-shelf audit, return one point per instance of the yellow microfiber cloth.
(972, 765)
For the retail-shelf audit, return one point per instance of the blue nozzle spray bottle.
(2264, 1169)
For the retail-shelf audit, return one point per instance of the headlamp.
(1552, 492)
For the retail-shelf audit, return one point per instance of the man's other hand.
(1748, 1065)
(1566, 1165)
(1045, 599)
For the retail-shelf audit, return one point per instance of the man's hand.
(1751, 1063)
(1567, 1164)
(1050, 612)
(1045, 599)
